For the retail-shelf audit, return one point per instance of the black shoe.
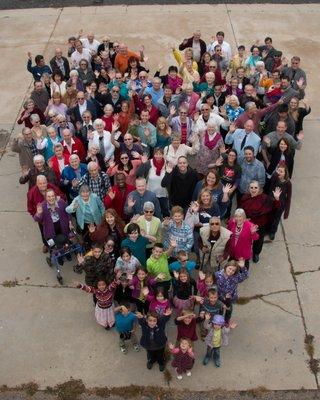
(255, 258)
(68, 257)
(271, 236)
(60, 261)
(161, 367)
(149, 364)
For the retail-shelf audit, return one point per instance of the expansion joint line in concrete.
(30, 84)
(311, 360)
(231, 24)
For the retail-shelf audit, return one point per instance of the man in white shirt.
(225, 46)
(90, 43)
(208, 115)
(80, 54)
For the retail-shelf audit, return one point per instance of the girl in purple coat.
(139, 282)
(183, 357)
(227, 281)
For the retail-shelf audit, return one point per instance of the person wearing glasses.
(82, 106)
(105, 45)
(206, 116)
(123, 55)
(114, 98)
(225, 46)
(30, 108)
(86, 74)
(125, 165)
(295, 73)
(208, 86)
(182, 123)
(72, 145)
(221, 60)
(214, 245)
(60, 64)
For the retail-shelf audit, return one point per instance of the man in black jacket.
(198, 46)
(60, 64)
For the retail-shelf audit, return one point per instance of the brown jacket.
(21, 147)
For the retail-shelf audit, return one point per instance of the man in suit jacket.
(198, 46)
(82, 106)
(60, 64)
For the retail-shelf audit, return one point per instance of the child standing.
(126, 263)
(205, 282)
(153, 337)
(213, 339)
(159, 301)
(183, 290)
(182, 262)
(126, 323)
(158, 263)
(227, 282)
(139, 282)
(104, 309)
(187, 325)
(183, 357)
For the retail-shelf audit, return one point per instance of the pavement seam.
(231, 24)
(280, 307)
(30, 85)
(295, 282)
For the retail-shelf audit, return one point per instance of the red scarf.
(158, 165)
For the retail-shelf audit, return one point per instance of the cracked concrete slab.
(49, 334)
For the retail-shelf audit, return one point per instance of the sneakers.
(188, 373)
(271, 236)
(149, 364)
(255, 258)
(217, 362)
(206, 360)
(179, 377)
(123, 349)
(136, 347)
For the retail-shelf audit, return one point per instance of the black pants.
(42, 236)
(276, 221)
(258, 244)
(142, 306)
(156, 356)
(228, 313)
(164, 205)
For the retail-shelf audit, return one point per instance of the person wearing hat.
(213, 339)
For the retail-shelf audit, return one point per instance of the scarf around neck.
(211, 144)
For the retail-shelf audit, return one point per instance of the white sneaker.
(179, 377)
(188, 373)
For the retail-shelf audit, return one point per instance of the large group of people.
(173, 179)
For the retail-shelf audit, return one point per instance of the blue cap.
(218, 319)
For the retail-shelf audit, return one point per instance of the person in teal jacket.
(88, 207)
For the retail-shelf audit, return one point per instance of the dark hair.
(268, 39)
(125, 250)
(38, 58)
(241, 47)
(172, 68)
(288, 150)
(285, 77)
(249, 148)
(152, 314)
(58, 73)
(160, 290)
(96, 246)
(167, 87)
(283, 165)
(283, 108)
(220, 33)
(212, 291)
(254, 47)
(121, 165)
(234, 151)
(133, 227)
(185, 272)
(159, 245)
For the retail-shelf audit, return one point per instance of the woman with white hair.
(47, 143)
(232, 107)
(244, 233)
(40, 168)
(211, 147)
(102, 138)
(257, 78)
(75, 82)
(30, 108)
(38, 130)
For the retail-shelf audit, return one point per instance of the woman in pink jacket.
(244, 233)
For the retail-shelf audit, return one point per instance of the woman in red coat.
(244, 233)
(59, 161)
(260, 209)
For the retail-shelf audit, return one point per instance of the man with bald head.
(198, 46)
(72, 145)
(60, 64)
(121, 60)
(240, 138)
(90, 43)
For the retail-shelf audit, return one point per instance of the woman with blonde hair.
(163, 133)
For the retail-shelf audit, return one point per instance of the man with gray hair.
(39, 168)
(72, 145)
(26, 147)
(155, 90)
(71, 176)
(98, 181)
(137, 199)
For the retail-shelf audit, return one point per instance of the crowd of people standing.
(173, 179)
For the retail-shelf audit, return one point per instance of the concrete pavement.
(48, 333)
